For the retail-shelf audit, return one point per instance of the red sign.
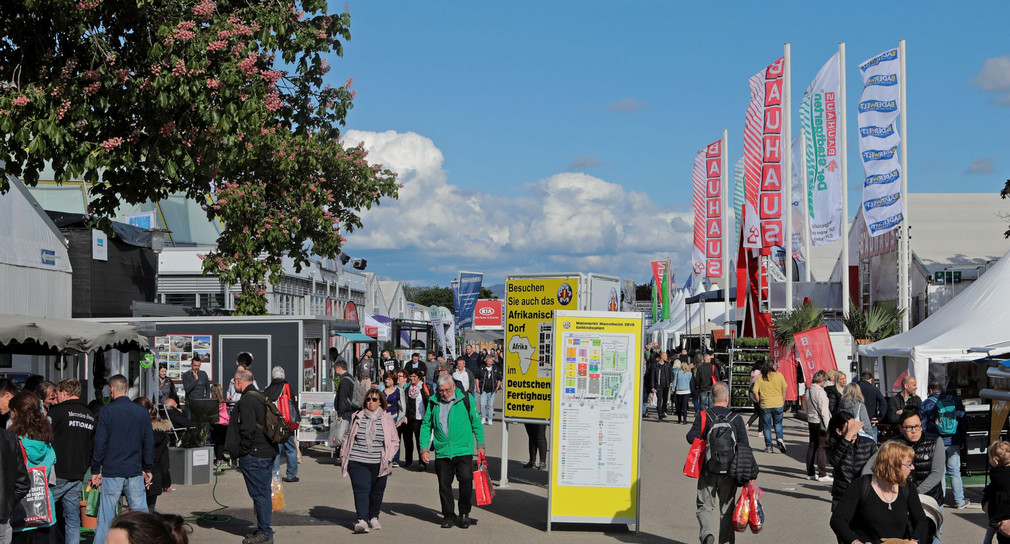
(487, 314)
(351, 311)
(785, 359)
(813, 348)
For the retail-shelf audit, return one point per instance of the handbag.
(482, 482)
(696, 455)
(93, 498)
(35, 509)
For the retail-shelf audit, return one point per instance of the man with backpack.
(248, 442)
(279, 391)
(943, 416)
(726, 437)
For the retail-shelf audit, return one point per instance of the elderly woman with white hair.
(280, 392)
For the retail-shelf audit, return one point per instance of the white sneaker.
(374, 523)
(825, 478)
(361, 527)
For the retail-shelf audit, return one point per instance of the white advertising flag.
(878, 143)
(820, 123)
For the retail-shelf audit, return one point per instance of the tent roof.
(32, 334)
(975, 318)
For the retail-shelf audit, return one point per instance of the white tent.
(976, 318)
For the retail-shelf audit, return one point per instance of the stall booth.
(947, 346)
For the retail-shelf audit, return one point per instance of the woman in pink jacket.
(367, 456)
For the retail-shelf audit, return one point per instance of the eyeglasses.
(911, 427)
(372, 399)
(448, 390)
(908, 465)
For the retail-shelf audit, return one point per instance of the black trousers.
(411, 436)
(662, 396)
(460, 468)
(538, 441)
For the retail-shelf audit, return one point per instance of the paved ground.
(320, 509)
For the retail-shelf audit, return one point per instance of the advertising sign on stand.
(814, 351)
(488, 315)
(596, 417)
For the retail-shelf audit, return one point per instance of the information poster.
(177, 353)
(530, 303)
(316, 415)
(596, 415)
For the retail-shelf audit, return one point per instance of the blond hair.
(1000, 453)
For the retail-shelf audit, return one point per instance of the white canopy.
(33, 334)
(976, 318)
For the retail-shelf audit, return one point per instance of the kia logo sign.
(486, 311)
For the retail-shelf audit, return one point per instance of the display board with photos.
(178, 351)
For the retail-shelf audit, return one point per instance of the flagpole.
(725, 233)
(787, 178)
(903, 253)
(805, 206)
(843, 153)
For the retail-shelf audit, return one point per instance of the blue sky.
(559, 136)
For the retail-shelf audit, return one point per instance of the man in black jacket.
(873, 399)
(254, 452)
(73, 441)
(488, 383)
(342, 400)
(716, 492)
(14, 482)
(906, 398)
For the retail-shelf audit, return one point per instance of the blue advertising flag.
(469, 290)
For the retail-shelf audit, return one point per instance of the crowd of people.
(887, 458)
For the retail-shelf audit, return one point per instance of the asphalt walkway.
(319, 508)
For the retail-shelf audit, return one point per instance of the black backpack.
(274, 427)
(720, 448)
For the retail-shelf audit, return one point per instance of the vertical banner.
(529, 329)
(763, 147)
(454, 286)
(785, 360)
(797, 204)
(469, 290)
(878, 143)
(819, 125)
(596, 417)
(813, 349)
(738, 200)
(658, 273)
(708, 212)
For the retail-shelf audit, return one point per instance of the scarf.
(371, 421)
(414, 390)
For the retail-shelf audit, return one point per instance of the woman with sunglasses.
(881, 505)
(367, 456)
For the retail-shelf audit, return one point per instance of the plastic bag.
(757, 512)
(741, 514)
(653, 401)
(276, 493)
(93, 498)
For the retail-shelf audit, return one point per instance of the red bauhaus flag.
(708, 215)
(762, 149)
(785, 358)
(813, 349)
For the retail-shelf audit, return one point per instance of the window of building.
(180, 299)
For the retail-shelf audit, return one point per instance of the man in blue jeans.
(279, 391)
(123, 457)
(73, 440)
(943, 416)
(254, 452)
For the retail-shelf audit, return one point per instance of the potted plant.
(799, 319)
(874, 324)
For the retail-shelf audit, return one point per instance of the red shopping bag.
(696, 455)
(482, 485)
(741, 514)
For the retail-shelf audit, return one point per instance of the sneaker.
(824, 478)
(374, 523)
(448, 522)
(811, 476)
(709, 539)
(782, 446)
(769, 449)
(259, 538)
(963, 505)
(289, 480)
(361, 527)
(463, 521)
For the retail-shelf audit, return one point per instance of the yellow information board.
(596, 417)
(530, 303)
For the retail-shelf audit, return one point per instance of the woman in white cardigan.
(818, 416)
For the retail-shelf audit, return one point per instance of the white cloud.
(584, 163)
(568, 221)
(626, 105)
(994, 77)
(983, 165)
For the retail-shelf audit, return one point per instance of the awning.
(471, 335)
(356, 337)
(33, 334)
